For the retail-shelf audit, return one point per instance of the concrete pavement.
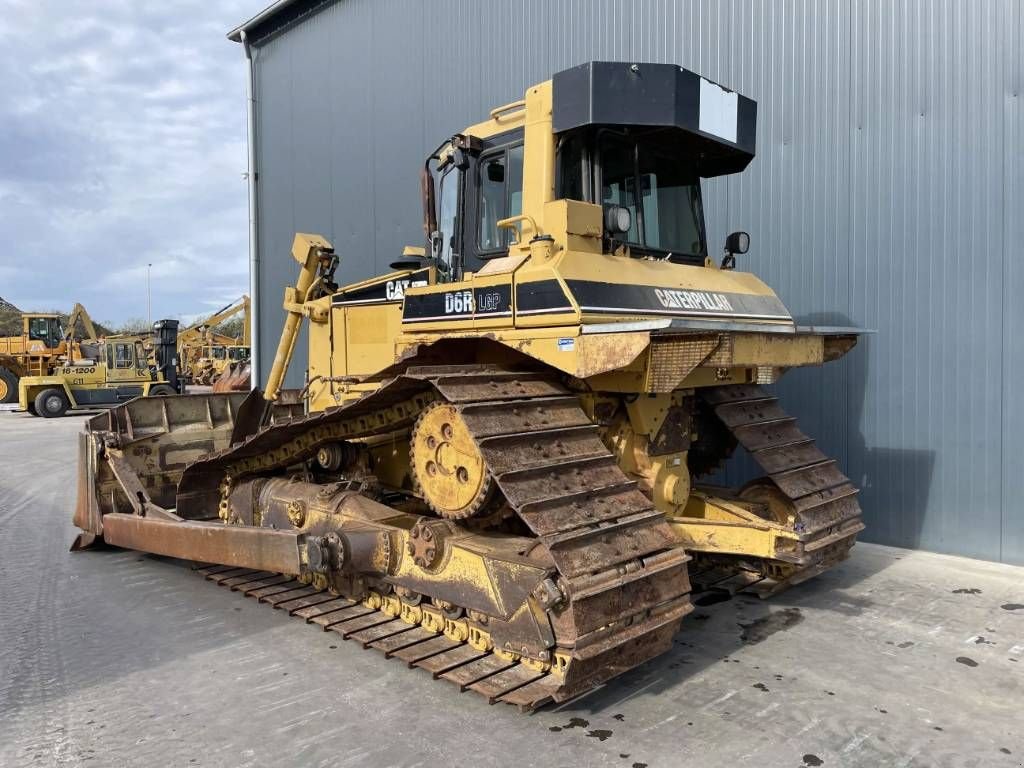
(895, 658)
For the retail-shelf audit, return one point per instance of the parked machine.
(204, 353)
(236, 375)
(118, 370)
(44, 344)
(498, 478)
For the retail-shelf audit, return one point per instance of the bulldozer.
(114, 370)
(216, 359)
(501, 468)
(44, 344)
(237, 374)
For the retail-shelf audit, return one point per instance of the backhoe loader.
(497, 474)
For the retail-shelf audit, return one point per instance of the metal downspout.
(254, 254)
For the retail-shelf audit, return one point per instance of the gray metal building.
(887, 192)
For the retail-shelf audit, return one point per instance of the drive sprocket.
(448, 468)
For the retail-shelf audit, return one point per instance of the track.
(818, 501)
(618, 583)
(487, 673)
(620, 570)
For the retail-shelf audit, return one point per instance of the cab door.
(123, 371)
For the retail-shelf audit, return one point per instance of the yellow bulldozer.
(497, 473)
(43, 345)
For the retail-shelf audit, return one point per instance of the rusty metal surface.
(821, 499)
(553, 471)
(672, 358)
(240, 546)
(234, 378)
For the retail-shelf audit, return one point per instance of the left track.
(486, 673)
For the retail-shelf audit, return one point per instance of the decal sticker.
(395, 289)
(718, 110)
(619, 299)
(712, 302)
(566, 345)
(458, 303)
(461, 304)
(488, 301)
(384, 292)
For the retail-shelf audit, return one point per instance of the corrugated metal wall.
(887, 193)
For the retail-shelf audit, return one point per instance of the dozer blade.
(235, 378)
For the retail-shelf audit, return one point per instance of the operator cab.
(635, 139)
(45, 328)
(125, 357)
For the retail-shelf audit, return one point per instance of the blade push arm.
(318, 261)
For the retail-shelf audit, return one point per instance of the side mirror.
(427, 196)
(736, 242)
(617, 219)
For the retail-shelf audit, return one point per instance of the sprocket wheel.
(447, 466)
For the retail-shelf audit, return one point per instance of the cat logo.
(395, 289)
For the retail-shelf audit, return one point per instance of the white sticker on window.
(718, 110)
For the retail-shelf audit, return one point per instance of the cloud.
(122, 143)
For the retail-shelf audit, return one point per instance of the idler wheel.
(447, 466)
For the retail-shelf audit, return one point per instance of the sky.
(123, 143)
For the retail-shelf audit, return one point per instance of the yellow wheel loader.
(44, 344)
(497, 473)
(118, 369)
(39, 348)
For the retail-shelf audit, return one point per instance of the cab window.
(123, 357)
(45, 329)
(501, 196)
(447, 221)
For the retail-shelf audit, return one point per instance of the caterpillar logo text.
(395, 289)
(712, 302)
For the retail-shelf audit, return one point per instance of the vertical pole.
(149, 297)
(252, 175)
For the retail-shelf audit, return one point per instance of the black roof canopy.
(720, 124)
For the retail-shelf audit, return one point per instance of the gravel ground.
(110, 658)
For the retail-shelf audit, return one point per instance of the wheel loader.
(112, 371)
(44, 345)
(496, 473)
